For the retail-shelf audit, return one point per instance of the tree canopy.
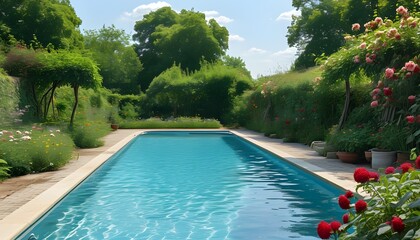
(320, 28)
(164, 38)
(42, 22)
(118, 62)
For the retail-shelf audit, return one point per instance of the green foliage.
(4, 170)
(356, 139)
(394, 195)
(8, 98)
(119, 64)
(37, 150)
(181, 122)
(164, 38)
(42, 23)
(89, 134)
(210, 92)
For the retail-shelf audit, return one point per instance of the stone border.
(17, 222)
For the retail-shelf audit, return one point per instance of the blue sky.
(257, 28)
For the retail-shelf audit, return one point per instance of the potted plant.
(384, 154)
(114, 119)
(350, 143)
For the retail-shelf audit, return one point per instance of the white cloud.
(138, 12)
(236, 38)
(257, 50)
(287, 16)
(216, 16)
(291, 51)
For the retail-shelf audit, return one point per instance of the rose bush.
(390, 210)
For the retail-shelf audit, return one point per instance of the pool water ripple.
(192, 186)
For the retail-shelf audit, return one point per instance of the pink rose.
(402, 10)
(389, 73)
(392, 32)
(410, 66)
(374, 104)
(369, 60)
(380, 84)
(355, 27)
(375, 91)
(356, 59)
(362, 46)
(378, 20)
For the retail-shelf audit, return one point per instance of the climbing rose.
(387, 91)
(410, 119)
(356, 59)
(324, 230)
(389, 73)
(335, 225)
(418, 162)
(397, 224)
(362, 46)
(355, 27)
(410, 66)
(411, 99)
(405, 167)
(369, 60)
(346, 218)
(376, 91)
(344, 202)
(361, 175)
(374, 104)
(360, 206)
(349, 194)
(374, 176)
(379, 20)
(389, 170)
(402, 10)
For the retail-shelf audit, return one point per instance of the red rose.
(324, 230)
(361, 175)
(410, 119)
(387, 91)
(411, 99)
(389, 170)
(349, 194)
(405, 167)
(418, 162)
(335, 225)
(344, 202)
(397, 224)
(374, 176)
(346, 218)
(360, 206)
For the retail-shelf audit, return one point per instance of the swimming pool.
(192, 185)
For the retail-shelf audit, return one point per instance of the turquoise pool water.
(192, 185)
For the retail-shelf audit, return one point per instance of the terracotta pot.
(114, 126)
(348, 157)
(368, 156)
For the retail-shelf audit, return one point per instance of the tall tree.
(42, 22)
(118, 61)
(165, 38)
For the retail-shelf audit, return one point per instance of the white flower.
(11, 140)
(51, 164)
(18, 132)
(58, 130)
(25, 138)
(11, 136)
(52, 135)
(27, 132)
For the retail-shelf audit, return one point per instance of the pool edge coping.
(14, 224)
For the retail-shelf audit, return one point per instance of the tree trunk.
(76, 101)
(345, 113)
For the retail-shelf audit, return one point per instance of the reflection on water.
(192, 186)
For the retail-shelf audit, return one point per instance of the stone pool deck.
(21, 196)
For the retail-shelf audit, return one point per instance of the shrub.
(181, 122)
(37, 150)
(89, 134)
(390, 210)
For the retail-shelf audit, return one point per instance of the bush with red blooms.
(391, 209)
